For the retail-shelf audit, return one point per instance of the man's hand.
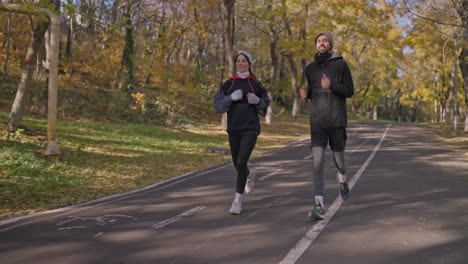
(303, 92)
(325, 82)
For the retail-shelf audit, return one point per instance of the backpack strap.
(232, 85)
(251, 87)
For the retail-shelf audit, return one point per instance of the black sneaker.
(317, 213)
(344, 190)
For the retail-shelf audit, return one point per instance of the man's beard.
(324, 50)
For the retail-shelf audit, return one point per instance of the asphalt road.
(408, 204)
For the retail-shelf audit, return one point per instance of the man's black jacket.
(328, 107)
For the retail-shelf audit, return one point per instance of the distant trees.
(401, 63)
(17, 110)
(439, 23)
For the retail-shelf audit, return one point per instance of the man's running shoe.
(317, 213)
(344, 189)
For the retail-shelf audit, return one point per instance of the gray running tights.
(319, 162)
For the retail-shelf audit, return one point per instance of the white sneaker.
(236, 207)
(250, 181)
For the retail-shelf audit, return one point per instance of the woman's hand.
(252, 98)
(236, 95)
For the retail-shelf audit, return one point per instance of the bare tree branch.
(408, 9)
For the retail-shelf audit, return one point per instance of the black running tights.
(242, 146)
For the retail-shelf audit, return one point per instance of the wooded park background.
(157, 61)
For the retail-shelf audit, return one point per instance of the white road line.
(98, 220)
(347, 153)
(356, 148)
(296, 252)
(271, 174)
(287, 147)
(241, 222)
(178, 217)
(71, 227)
(98, 234)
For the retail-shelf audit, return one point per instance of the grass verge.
(446, 133)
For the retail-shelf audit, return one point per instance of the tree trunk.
(228, 25)
(274, 61)
(69, 45)
(466, 117)
(296, 109)
(294, 87)
(45, 63)
(156, 42)
(462, 10)
(273, 71)
(114, 11)
(228, 40)
(415, 112)
(7, 55)
(464, 70)
(17, 110)
(398, 109)
(127, 81)
(448, 102)
(443, 116)
(201, 41)
(375, 113)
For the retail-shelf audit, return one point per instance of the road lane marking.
(94, 221)
(271, 174)
(178, 217)
(71, 227)
(243, 219)
(102, 201)
(296, 252)
(356, 148)
(287, 147)
(98, 234)
(346, 152)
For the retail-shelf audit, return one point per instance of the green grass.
(105, 158)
